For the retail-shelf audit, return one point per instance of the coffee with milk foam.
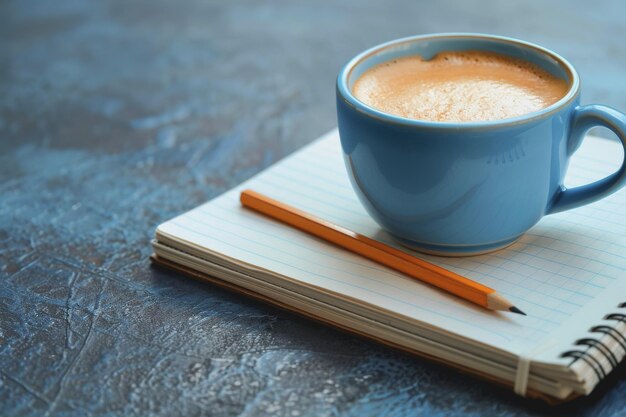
(468, 86)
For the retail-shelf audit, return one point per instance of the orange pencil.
(378, 252)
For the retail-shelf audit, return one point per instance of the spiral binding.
(600, 347)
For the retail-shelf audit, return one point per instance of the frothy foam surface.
(459, 87)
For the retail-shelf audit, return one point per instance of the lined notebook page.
(556, 273)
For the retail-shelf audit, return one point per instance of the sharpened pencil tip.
(516, 310)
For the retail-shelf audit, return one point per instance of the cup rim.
(346, 95)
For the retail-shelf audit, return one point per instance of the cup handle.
(583, 119)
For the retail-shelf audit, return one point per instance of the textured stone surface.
(117, 115)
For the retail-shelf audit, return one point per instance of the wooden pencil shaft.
(369, 248)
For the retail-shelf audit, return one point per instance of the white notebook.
(568, 273)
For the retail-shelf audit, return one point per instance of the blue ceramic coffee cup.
(467, 188)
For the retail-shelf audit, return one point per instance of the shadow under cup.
(459, 189)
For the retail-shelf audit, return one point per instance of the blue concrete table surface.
(117, 115)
